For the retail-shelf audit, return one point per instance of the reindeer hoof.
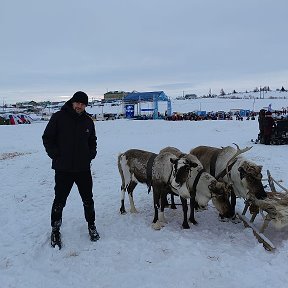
(185, 226)
(194, 222)
(157, 226)
(133, 211)
(223, 219)
(235, 219)
(163, 221)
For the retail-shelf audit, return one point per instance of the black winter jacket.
(70, 140)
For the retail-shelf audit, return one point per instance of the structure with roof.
(136, 98)
(114, 95)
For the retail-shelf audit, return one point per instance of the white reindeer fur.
(203, 193)
(276, 205)
(128, 177)
(239, 186)
(162, 173)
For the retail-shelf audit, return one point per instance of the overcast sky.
(50, 49)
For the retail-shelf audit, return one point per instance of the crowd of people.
(269, 123)
(192, 116)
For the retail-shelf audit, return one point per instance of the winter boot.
(56, 238)
(94, 236)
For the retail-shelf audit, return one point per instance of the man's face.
(78, 107)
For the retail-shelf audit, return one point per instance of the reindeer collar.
(197, 178)
(149, 170)
(224, 171)
(173, 172)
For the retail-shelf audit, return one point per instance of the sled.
(267, 244)
(273, 206)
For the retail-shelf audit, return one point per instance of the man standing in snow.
(70, 141)
(268, 125)
(261, 120)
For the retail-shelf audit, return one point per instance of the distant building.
(187, 96)
(190, 96)
(114, 95)
(26, 104)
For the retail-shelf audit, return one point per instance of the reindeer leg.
(156, 198)
(185, 224)
(253, 217)
(233, 202)
(173, 206)
(254, 210)
(166, 203)
(163, 199)
(265, 224)
(246, 207)
(192, 211)
(122, 208)
(130, 190)
(155, 209)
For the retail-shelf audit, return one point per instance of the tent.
(138, 97)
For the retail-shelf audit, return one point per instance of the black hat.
(80, 97)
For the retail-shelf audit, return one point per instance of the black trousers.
(267, 139)
(63, 185)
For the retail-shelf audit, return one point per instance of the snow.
(130, 253)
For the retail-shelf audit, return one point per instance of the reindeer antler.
(242, 150)
(238, 152)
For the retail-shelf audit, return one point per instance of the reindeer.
(228, 164)
(164, 173)
(246, 179)
(203, 187)
(276, 207)
(135, 166)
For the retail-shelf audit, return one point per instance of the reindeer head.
(220, 193)
(182, 168)
(181, 171)
(251, 177)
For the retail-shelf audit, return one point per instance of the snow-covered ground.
(130, 253)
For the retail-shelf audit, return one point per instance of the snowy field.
(130, 253)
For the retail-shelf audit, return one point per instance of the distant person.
(269, 124)
(261, 118)
(70, 141)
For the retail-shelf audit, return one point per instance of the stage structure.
(138, 98)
